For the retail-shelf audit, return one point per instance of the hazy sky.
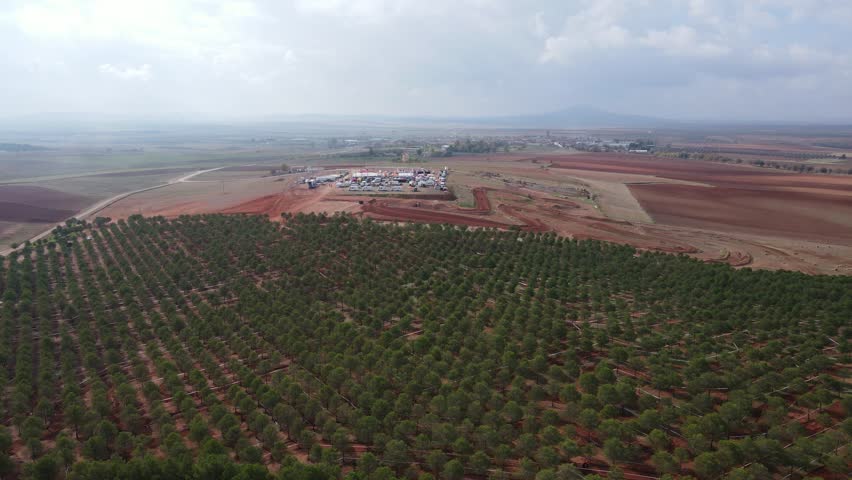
(737, 59)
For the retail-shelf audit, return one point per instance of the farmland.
(774, 198)
(736, 214)
(27, 209)
(414, 350)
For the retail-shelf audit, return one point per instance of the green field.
(211, 343)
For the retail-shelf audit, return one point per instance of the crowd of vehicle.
(394, 181)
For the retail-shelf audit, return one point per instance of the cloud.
(437, 57)
(602, 26)
(539, 26)
(595, 27)
(186, 28)
(682, 41)
(142, 72)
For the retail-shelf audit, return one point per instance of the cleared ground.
(14, 231)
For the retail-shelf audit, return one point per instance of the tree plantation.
(327, 347)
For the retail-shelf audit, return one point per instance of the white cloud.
(439, 57)
(601, 26)
(539, 26)
(803, 54)
(142, 72)
(188, 28)
(799, 58)
(682, 40)
(596, 27)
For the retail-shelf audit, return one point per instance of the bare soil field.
(200, 195)
(805, 215)
(734, 214)
(17, 212)
(689, 170)
(141, 173)
(789, 149)
(14, 231)
(27, 203)
(248, 168)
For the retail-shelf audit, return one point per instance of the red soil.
(274, 205)
(811, 216)
(717, 174)
(745, 199)
(383, 210)
(481, 202)
(735, 259)
(532, 224)
(755, 147)
(481, 199)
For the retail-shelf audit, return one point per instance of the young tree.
(198, 430)
(453, 470)
(708, 465)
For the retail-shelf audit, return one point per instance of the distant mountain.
(578, 116)
(19, 147)
(573, 117)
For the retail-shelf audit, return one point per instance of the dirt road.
(82, 215)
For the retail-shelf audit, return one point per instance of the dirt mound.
(482, 206)
(258, 206)
(384, 211)
(481, 198)
(274, 205)
(530, 223)
(560, 204)
(735, 259)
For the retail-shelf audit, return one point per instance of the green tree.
(453, 470)
(396, 455)
(435, 460)
(368, 463)
(708, 465)
(479, 463)
(198, 430)
(665, 462)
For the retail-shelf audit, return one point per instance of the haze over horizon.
(752, 60)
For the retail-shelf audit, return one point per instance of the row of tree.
(418, 350)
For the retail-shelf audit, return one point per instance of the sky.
(783, 60)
